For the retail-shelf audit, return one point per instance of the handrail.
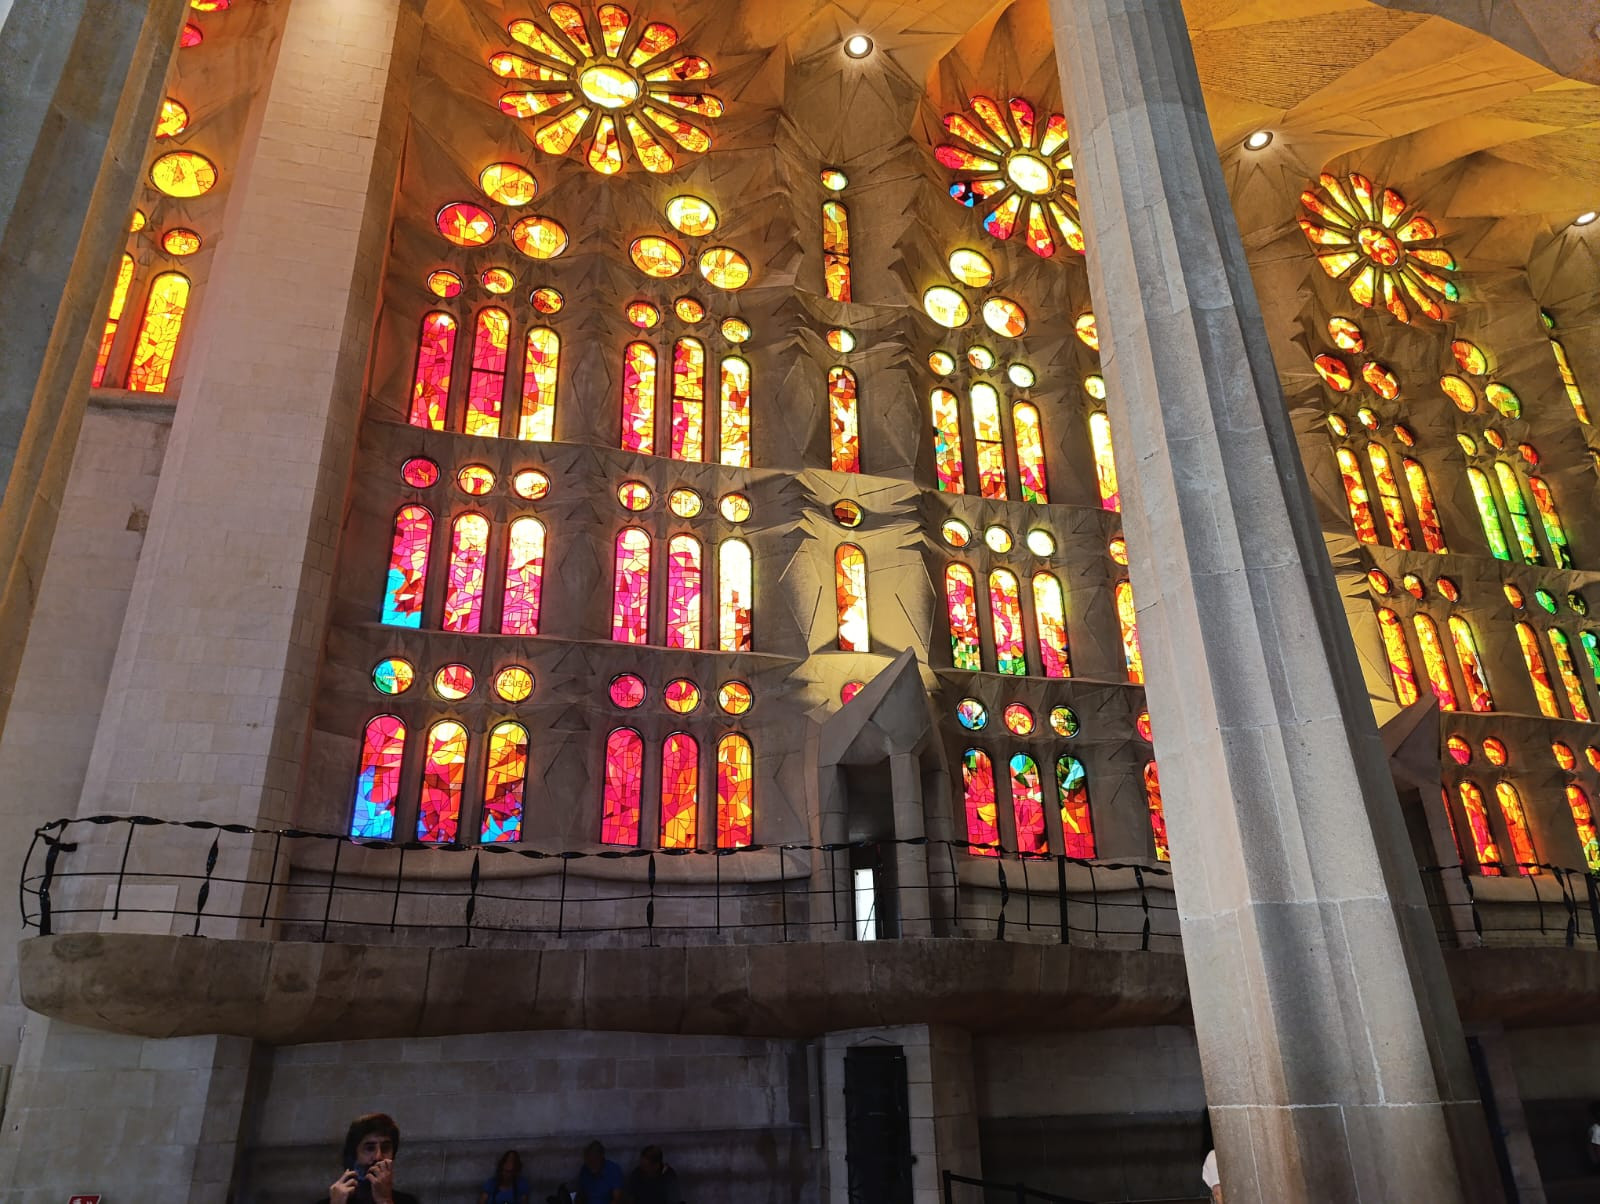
(1024, 1193)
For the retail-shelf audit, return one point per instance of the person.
(599, 1179)
(506, 1185)
(370, 1147)
(653, 1181)
(1208, 1176)
(1594, 1137)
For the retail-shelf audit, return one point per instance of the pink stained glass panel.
(444, 770)
(734, 418)
(408, 567)
(977, 785)
(844, 432)
(735, 792)
(639, 398)
(430, 385)
(624, 788)
(1158, 815)
(541, 368)
(1027, 804)
(961, 599)
(469, 553)
(1483, 842)
(689, 400)
(1050, 611)
(519, 613)
(1072, 791)
(630, 593)
(486, 386)
(383, 746)
(1005, 611)
(680, 791)
(1128, 621)
(1527, 858)
(505, 781)
(683, 592)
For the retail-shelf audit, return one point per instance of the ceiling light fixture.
(858, 46)
(1258, 140)
(1583, 219)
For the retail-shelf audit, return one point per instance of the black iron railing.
(1546, 905)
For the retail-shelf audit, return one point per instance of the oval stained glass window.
(475, 479)
(530, 483)
(1018, 719)
(735, 507)
(1459, 749)
(834, 180)
(1494, 751)
(1368, 418)
(498, 281)
(724, 268)
(1380, 380)
(180, 242)
(1514, 596)
(137, 222)
(634, 495)
(735, 697)
(1504, 400)
(453, 682)
(980, 357)
(681, 695)
(183, 174)
(688, 310)
(1142, 726)
(998, 539)
(1117, 549)
(1448, 589)
(1494, 438)
(1414, 586)
(539, 237)
(173, 119)
(692, 216)
(1459, 392)
(972, 268)
(685, 503)
(850, 689)
(1004, 316)
(1021, 376)
(942, 363)
(1064, 721)
(508, 183)
(841, 340)
(642, 314)
(627, 690)
(1563, 755)
(1095, 386)
(956, 533)
(735, 330)
(191, 36)
(972, 714)
(1086, 330)
(1379, 581)
(513, 683)
(656, 256)
(420, 472)
(846, 513)
(465, 224)
(1470, 356)
(946, 307)
(444, 283)
(1346, 335)
(1338, 425)
(1041, 542)
(1334, 372)
(1546, 600)
(393, 676)
(547, 300)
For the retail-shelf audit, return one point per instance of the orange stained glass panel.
(157, 341)
(444, 772)
(735, 596)
(638, 398)
(119, 302)
(183, 174)
(850, 588)
(1399, 654)
(630, 596)
(508, 183)
(505, 779)
(519, 612)
(1105, 466)
(465, 224)
(1433, 660)
(1072, 791)
(1466, 644)
(724, 268)
(1128, 621)
(1427, 511)
(989, 441)
(947, 441)
(486, 386)
(656, 256)
(734, 428)
(541, 369)
(683, 592)
(1355, 494)
(1030, 452)
(1522, 850)
(624, 788)
(539, 237)
(1158, 816)
(469, 552)
(1394, 513)
(836, 250)
(1567, 671)
(1583, 821)
(1027, 806)
(977, 782)
(844, 434)
(1483, 842)
(688, 399)
(680, 791)
(1533, 658)
(430, 385)
(735, 792)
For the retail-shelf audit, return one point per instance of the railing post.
(205, 886)
(561, 904)
(955, 889)
(650, 906)
(1144, 905)
(1094, 899)
(716, 861)
(122, 870)
(948, 1198)
(1594, 905)
(1061, 899)
(1027, 898)
(53, 853)
(833, 884)
(399, 877)
(333, 878)
(783, 895)
(272, 877)
(1022, 1194)
(472, 895)
(1005, 897)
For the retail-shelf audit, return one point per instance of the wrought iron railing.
(1532, 904)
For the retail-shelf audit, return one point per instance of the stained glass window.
(961, 599)
(735, 594)
(836, 250)
(638, 398)
(630, 597)
(1461, 635)
(157, 340)
(430, 387)
(1427, 512)
(1583, 821)
(183, 174)
(680, 791)
(1395, 647)
(843, 429)
(119, 302)
(624, 787)
(688, 400)
(1030, 452)
(486, 386)
(469, 551)
(1105, 467)
(990, 445)
(1568, 380)
(1394, 513)
(977, 782)
(541, 366)
(850, 586)
(1158, 816)
(734, 414)
(1555, 534)
(1533, 658)
(735, 792)
(1522, 849)
(1072, 791)
(1433, 660)
(1005, 610)
(1488, 514)
(444, 769)
(524, 577)
(947, 441)
(1128, 621)
(1590, 643)
(1483, 842)
(383, 746)
(1050, 612)
(1027, 804)
(683, 592)
(1567, 671)
(504, 783)
(1517, 505)
(1355, 493)
(408, 567)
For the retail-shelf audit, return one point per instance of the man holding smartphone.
(369, 1150)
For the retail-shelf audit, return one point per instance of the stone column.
(910, 860)
(1333, 1056)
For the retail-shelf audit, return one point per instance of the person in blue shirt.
(599, 1179)
(506, 1185)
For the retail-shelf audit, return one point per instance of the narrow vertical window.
(1005, 611)
(1554, 533)
(688, 400)
(734, 415)
(1072, 790)
(961, 601)
(735, 596)
(1517, 506)
(119, 302)
(1030, 452)
(1494, 533)
(430, 384)
(519, 613)
(1355, 495)
(1569, 381)
(683, 592)
(1450, 818)
(1158, 815)
(469, 553)
(1128, 621)
(504, 782)
(1433, 660)
(1533, 658)
(1478, 696)
(1050, 611)
(1583, 821)
(383, 747)
(630, 591)
(444, 774)
(1394, 514)
(1483, 842)
(680, 791)
(850, 588)
(486, 385)
(1427, 511)
(1527, 858)
(158, 333)
(541, 368)
(990, 443)
(1027, 805)
(836, 250)
(947, 441)
(977, 787)
(1591, 652)
(844, 432)
(735, 792)
(1105, 464)
(408, 567)
(1567, 671)
(624, 787)
(639, 398)
(1399, 654)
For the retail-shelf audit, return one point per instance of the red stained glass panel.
(624, 788)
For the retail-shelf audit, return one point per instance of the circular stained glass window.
(734, 697)
(393, 676)
(513, 683)
(656, 256)
(465, 224)
(850, 689)
(1338, 425)
(1367, 418)
(1563, 755)
(1504, 400)
(1459, 749)
(1142, 725)
(1529, 453)
(180, 242)
(498, 281)
(1494, 439)
(642, 314)
(841, 340)
(724, 268)
(1379, 581)
(998, 538)
(1447, 589)
(138, 222)
(956, 533)
(1546, 601)
(692, 216)
(1380, 380)
(685, 503)
(1117, 549)
(1413, 585)
(1064, 721)
(442, 283)
(972, 268)
(1030, 173)
(835, 180)
(530, 483)
(946, 306)
(1470, 356)
(846, 513)
(735, 330)
(453, 682)
(627, 690)
(183, 174)
(1494, 751)
(634, 495)
(1095, 386)
(1346, 335)
(681, 695)
(1021, 376)
(547, 300)
(475, 479)
(1041, 542)
(1334, 371)
(980, 357)
(972, 714)
(420, 472)
(688, 310)
(1459, 392)
(508, 183)
(1004, 316)
(735, 507)
(608, 86)
(1467, 443)
(1513, 595)
(1086, 330)
(1018, 719)
(942, 363)
(539, 237)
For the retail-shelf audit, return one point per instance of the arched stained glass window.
(1517, 828)
(1583, 821)
(1567, 671)
(734, 415)
(1554, 533)
(1050, 612)
(408, 567)
(1569, 381)
(541, 368)
(1427, 511)
(383, 747)
(947, 441)
(1105, 466)
(1533, 658)
(836, 250)
(1128, 621)
(469, 553)
(1483, 842)
(1399, 654)
(1517, 505)
(735, 792)
(961, 600)
(430, 384)
(1005, 611)
(1394, 513)
(1591, 652)
(1027, 804)
(519, 614)
(844, 432)
(735, 594)
(1494, 532)
(486, 386)
(624, 787)
(1072, 791)
(683, 592)
(850, 587)
(639, 398)
(1433, 660)
(977, 785)
(444, 773)
(119, 302)
(680, 791)
(1158, 815)
(1355, 495)
(688, 400)
(1450, 818)
(630, 594)
(157, 341)
(990, 443)
(1030, 452)
(505, 780)
(1461, 635)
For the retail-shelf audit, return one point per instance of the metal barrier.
(1532, 904)
(1020, 1192)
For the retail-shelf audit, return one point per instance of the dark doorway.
(877, 1125)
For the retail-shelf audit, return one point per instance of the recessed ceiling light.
(1258, 140)
(1583, 219)
(858, 46)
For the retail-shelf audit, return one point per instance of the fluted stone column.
(1333, 1056)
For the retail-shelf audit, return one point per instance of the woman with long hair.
(506, 1185)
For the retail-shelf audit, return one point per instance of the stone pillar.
(1333, 1055)
(910, 861)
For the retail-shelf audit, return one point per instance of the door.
(877, 1125)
